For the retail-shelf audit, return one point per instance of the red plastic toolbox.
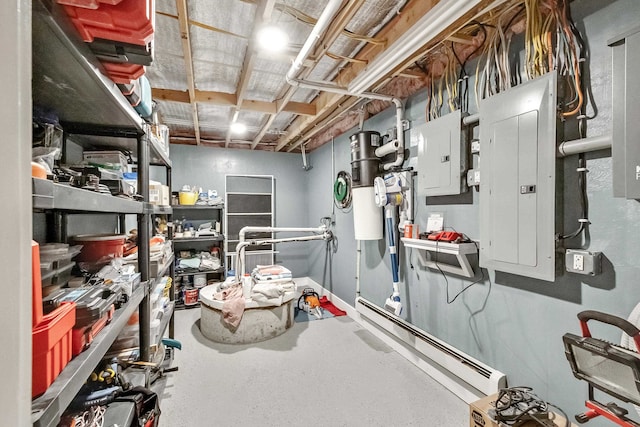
(123, 73)
(88, 4)
(130, 21)
(36, 285)
(83, 337)
(51, 340)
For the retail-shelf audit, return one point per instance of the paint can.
(199, 280)
(190, 296)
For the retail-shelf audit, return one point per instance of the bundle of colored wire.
(564, 56)
(92, 417)
(493, 74)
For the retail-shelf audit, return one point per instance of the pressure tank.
(365, 166)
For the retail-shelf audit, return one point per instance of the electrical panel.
(518, 169)
(442, 158)
(625, 150)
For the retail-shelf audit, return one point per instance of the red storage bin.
(130, 21)
(82, 337)
(88, 4)
(36, 285)
(123, 73)
(51, 351)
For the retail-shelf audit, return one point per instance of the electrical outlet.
(578, 262)
(583, 262)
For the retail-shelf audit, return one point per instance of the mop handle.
(392, 243)
(626, 326)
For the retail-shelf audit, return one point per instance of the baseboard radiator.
(465, 376)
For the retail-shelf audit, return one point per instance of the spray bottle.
(246, 286)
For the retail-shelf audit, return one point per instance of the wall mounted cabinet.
(518, 170)
(442, 156)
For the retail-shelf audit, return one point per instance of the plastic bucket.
(199, 280)
(190, 296)
(187, 198)
(96, 247)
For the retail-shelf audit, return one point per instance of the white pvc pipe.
(388, 148)
(330, 87)
(242, 244)
(323, 22)
(400, 136)
(358, 256)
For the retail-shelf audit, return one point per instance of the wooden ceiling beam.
(183, 19)
(263, 15)
(230, 99)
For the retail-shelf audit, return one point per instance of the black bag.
(146, 404)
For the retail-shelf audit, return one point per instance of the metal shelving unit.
(48, 195)
(46, 409)
(201, 239)
(219, 270)
(168, 314)
(69, 80)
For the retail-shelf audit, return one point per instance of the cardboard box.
(479, 417)
(159, 194)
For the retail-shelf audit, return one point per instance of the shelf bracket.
(460, 250)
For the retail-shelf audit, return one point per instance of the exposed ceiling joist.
(344, 16)
(231, 99)
(263, 15)
(183, 19)
(413, 11)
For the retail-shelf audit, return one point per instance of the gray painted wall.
(206, 167)
(512, 323)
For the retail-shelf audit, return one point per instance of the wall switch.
(583, 262)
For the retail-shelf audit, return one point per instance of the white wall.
(15, 217)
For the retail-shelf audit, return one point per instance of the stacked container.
(51, 334)
(120, 33)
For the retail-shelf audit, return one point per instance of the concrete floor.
(328, 372)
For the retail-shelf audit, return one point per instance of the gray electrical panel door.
(441, 160)
(625, 147)
(517, 191)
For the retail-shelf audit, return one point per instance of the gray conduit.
(584, 145)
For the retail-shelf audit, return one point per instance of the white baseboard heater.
(465, 376)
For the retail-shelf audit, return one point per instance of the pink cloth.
(233, 307)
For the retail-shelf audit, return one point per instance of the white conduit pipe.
(471, 119)
(584, 145)
(323, 22)
(329, 87)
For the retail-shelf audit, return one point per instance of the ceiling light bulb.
(272, 39)
(238, 128)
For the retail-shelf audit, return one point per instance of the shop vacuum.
(610, 368)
